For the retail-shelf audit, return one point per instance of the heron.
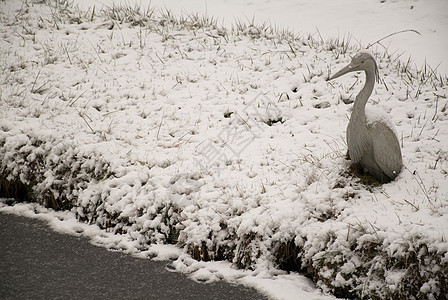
(371, 139)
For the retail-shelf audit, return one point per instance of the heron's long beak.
(343, 71)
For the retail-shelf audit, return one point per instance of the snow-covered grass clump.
(227, 142)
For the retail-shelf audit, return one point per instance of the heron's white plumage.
(371, 139)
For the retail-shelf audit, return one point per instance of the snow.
(364, 22)
(230, 143)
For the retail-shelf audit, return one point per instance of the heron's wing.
(386, 149)
(358, 144)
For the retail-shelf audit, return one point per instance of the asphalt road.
(38, 263)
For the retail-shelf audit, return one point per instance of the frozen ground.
(365, 21)
(229, 143)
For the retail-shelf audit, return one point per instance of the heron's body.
(371, 142)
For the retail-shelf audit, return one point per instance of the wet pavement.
(39, 263)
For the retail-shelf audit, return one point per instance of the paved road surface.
(38, 263)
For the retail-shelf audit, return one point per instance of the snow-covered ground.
(230, 143)
(364, 21)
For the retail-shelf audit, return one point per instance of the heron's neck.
(364, 94)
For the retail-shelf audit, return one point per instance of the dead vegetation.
(350, 270)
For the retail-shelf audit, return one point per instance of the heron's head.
(362, 61)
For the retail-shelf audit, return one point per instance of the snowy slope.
(228, 143)
(364, 22)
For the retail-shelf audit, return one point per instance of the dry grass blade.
(392, 34)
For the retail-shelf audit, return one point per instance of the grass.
(23, 178)
(15, 189)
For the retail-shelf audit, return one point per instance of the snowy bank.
(228, 142)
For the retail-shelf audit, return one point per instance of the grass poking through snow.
(227, 142)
